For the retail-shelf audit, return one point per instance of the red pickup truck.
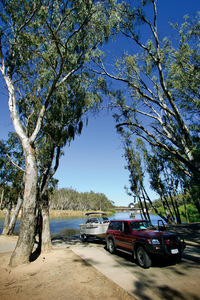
(143, 240)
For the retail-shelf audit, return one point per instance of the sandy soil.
(60, 274)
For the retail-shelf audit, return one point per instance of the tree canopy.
(159, 96)
(44, 47)
(70, 199)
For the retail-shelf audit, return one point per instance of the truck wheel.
(111, 246)
(143, 258)
(176, 259)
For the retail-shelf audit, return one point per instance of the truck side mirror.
(161, 225)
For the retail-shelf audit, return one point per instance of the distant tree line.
(70, 199)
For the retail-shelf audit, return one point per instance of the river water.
(69, 226)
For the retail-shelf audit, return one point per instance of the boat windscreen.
(95, 213)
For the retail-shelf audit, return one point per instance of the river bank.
(53, 213)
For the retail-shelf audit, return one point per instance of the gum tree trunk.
(46, 235)
(26, 238)
(15, 215)
(43, 228)
(7, 219)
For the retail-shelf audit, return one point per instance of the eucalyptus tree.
(5, 189)
(59, 128)
(11, 180)
(161, 103)
(69, 199)
(44, 46)
(165, 181)
(138, 164)
(136, 176)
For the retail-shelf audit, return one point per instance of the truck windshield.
(141, 225)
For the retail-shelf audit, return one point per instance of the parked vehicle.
(95, 226)
(143, 240)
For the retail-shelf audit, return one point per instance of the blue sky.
(94, 159)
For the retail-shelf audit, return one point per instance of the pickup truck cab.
(143, 240)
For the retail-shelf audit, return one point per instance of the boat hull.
(95, 230)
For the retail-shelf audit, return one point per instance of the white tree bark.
(14, 216)
(7, 220)
(25, 241)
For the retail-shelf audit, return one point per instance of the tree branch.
(15, 163)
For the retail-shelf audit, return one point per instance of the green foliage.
(184, 69)
(192, 213)
(161, 102)
(11, 170)
(69, 199)
(45, 49)
(186, 207)
(186, 212)
(161, 210)
(133, 159)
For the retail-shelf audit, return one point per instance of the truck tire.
(143, 258)
(111, 246)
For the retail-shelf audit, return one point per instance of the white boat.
(132, 214)
(95, 226)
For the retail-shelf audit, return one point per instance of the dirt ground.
(60, 274)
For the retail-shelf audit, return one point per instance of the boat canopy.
(95, 213)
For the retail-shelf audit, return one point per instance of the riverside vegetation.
(70, 199)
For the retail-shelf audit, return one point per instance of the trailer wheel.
(84, 237)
